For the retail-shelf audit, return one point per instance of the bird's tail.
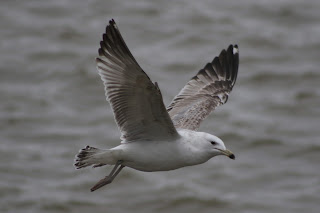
(93, 156)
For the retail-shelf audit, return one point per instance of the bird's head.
(215, 146)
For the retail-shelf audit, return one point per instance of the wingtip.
(97, 60)
(100, 52)
(112, 23)
(235, 49)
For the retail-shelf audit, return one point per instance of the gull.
(153, 137)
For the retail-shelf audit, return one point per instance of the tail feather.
(93, 156)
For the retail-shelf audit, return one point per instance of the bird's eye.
(214, 143)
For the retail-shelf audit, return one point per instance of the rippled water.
(53, 104)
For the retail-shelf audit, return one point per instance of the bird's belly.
(152, 166)
(150, 157)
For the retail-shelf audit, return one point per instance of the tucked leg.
(108, 179)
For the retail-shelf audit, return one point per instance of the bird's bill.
(227, 153)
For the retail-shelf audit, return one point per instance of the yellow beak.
(227, 153)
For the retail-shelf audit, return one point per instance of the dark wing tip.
(229, 60)
(112, 22)
(98, 60)
(235, 66)
(235, 49)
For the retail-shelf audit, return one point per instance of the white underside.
(159, 155)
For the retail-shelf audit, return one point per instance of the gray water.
(53, 104)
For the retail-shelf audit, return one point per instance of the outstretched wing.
(205, 91)
(136, 102)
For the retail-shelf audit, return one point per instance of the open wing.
(136, 102)
(205, 91)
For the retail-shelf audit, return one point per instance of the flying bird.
(153, 137)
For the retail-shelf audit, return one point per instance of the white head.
(215, 146)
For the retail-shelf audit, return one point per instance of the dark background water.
(53, 104)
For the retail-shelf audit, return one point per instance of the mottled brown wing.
(205, 91)
(136, 102)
